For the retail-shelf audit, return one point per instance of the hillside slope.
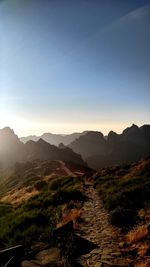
(125, 193)
(34, 199)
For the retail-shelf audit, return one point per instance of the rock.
(39, 246)
(106, 257)
(121, 244)
(116, 254)
(96, 228)
(108, 263)
(98, 264)
(107, 251)
(48, 256)
(29, 264)
(63, 230)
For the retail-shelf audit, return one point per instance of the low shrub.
(121, 217)
(65, 196)
(39, 185)
(5, 209)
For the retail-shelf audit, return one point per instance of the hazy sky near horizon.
(73, 65)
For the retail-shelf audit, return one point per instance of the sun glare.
(7, 119)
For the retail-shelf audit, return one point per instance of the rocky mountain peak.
(134, 129)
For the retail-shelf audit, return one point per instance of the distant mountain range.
(117, 149)
(54, 139)
(12, 150)
(91, 147)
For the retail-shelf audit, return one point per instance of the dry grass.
(137, 234)
(144, 214)
(17, 196)
(141, 264)
(142, 250)
(51, 176)
(70, 215)
(136, 169)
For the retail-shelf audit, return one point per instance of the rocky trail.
(66, 170)
(96, 228)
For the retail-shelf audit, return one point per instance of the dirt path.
(63, 167)
(96, 228)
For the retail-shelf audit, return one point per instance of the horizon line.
(74, 132)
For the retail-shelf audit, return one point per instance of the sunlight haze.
(70, 66)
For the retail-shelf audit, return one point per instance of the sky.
(74, 65)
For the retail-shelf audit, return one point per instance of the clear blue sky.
(73, 65)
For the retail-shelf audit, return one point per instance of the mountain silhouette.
(116, 149)
(45, 151)
(54, 139)
(91, 147)
(12, 150)
(91, 144)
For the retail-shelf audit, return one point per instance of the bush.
(18, 225)
(63, 183)
(121, 217)
(65, 196)
(5, 209)
(40, 185)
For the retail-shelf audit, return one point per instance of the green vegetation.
(124, 191)
(39, 214)
(23, 175)
(16, 181)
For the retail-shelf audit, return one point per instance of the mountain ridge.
(129, 146)
(12, 150)
(91, 147)
(54, 139)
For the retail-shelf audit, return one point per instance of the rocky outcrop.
(10, 147)
(90, 144)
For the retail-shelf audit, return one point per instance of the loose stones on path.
(96, 228)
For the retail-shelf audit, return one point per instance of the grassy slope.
(124, 191)
(32, 218)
